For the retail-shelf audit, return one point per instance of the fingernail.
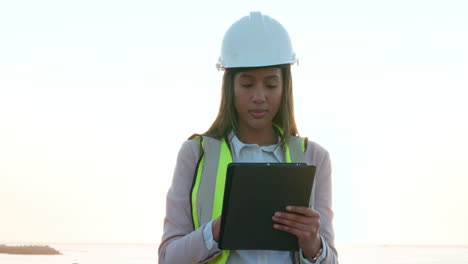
(288, 207)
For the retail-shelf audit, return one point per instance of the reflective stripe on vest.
(210, 176)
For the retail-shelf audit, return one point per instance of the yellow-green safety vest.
(207, 191)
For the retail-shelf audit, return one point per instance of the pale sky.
(96, 98)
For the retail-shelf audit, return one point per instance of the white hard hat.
(254, 41)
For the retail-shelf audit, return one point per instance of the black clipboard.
(253, 193)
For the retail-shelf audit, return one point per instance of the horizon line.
(157, 244)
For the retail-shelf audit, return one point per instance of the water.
(403, 254)
(146, 254)
(90, 254)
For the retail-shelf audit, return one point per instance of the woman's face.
(257, 97)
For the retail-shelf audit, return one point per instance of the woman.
(255, 123)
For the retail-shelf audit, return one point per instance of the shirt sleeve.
(180, 242)
(322, 256)
(321, 199)
(210, 243)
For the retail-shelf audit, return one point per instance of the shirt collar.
(237, 146)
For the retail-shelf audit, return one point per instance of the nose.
(259, 95)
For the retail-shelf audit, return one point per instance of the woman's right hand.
(215, 227)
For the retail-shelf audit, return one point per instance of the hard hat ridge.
(254, 41)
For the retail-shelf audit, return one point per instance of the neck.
(261, 137)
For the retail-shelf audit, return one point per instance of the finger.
(298, 218)
(302, 210)
(291, 217)
(297, 221)
(295, 224)
(302, 235)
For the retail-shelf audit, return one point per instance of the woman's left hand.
(304, 223)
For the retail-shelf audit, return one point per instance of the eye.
(246, 85)
(271, 86)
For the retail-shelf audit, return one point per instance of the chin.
(260, 124)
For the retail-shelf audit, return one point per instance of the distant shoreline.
(28, 250)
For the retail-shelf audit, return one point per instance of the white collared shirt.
(242, 152)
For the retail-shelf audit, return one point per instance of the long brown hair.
(227, 118)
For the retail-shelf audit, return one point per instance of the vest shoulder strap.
(295, 149)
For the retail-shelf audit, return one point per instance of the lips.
(258, 113)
